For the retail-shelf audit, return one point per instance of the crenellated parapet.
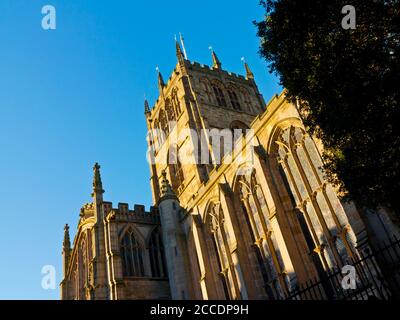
(196, 66)
(122, 213)
(194, 70)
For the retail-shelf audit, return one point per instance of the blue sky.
(73, 96)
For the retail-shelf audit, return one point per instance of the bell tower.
(194, 100)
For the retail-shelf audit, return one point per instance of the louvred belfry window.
(234, 99)
(219, 95)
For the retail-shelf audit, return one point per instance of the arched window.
(175, 102)
(219, 95)
(175, 167)
(247, 100)
(206, 89)
(220, 248)
(163, 125)
(170, 110)
(156, 252)
(257, 216)
(155, 133)
(132, 255)
(234, 99)
(230, 270)
(301, 166)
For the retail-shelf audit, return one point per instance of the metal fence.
(377, 277)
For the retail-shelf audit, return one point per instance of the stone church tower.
(256, 216)
(241, 206)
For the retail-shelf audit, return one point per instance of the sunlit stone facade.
(253, 222)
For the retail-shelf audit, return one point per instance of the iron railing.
(377, 277)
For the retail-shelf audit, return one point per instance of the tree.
(347, 85)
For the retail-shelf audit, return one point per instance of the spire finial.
(66, 242)
(97, 184)
(166, 189)
(179, 53)
(160, 77)
(161, 83)
(216, 63)
(249, 73)
(181, 56)
(146, 106)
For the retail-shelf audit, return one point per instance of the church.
(241, 207)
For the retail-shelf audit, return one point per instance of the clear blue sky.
(74, 96)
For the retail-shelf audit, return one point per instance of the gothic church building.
(253, 227)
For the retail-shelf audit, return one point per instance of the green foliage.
(348, 82)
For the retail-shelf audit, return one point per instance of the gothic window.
(257, 216)
(219, 95)
(206, 89)
(132, 255)
(175, 167)
(234, 99)
(215, 229)
(156, 133)
(163, 125)
(175, 102)
(222, 275)
(247, 100)
(157, 258)
(300, 165)
(230, 271)
(170, 110)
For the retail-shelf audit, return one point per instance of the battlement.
(200, 65)
(196, 66)
(207, 68)
(138, 215)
